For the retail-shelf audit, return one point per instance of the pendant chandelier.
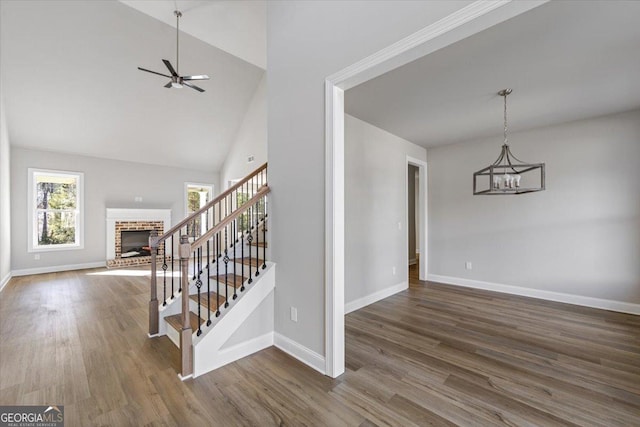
(508, 174)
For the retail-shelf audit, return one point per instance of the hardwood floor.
(431, 355)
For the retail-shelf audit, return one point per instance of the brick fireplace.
(121, 221)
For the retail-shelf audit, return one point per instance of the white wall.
(107, 183)
(258, 323)
(250, 140)
(375, 203)
(5, 199)
(581, 236)
(307, 42)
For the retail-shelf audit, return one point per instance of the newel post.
(153, 301)
(186, 347)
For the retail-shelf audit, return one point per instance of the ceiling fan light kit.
(505, 175)
(177, 81)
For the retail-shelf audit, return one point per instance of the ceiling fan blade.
(168, 85)
(153, 72)
(170, 67)
(201, 77)
(193, 86)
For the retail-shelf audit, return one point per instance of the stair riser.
(173, 335)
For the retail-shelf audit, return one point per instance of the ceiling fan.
(177, 81)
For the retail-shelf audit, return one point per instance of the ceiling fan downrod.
(178, 16)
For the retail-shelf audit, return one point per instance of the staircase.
(219, 256)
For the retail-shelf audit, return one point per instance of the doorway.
(461, 24)
(416, 203)
(413, 186)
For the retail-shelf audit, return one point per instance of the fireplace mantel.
(115, 215)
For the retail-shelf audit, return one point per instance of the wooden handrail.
(211, 232)
(206, 207)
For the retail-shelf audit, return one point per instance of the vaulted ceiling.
(564, 60)
(70, 84)
(238, 27)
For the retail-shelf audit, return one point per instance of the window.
(197, 196)
(55, 208)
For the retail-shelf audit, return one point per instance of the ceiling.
(238, 27)
(70, 84)
(564, 60)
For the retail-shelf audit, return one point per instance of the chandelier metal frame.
(506, 172)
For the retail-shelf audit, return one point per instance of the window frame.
(32, 228)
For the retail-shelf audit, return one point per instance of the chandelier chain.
(505, 119)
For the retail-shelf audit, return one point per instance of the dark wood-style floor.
(432, 355)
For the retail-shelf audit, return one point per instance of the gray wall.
(581, 236)
(250, 140)
(375, 188)
(107, 183)
(5, 198)
(307, 42)
(412, 194)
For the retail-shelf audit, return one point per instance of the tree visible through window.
(56, 212)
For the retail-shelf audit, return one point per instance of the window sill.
(55, 248)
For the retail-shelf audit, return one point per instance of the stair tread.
(261, 244)
(230, 279)
(247, 260)
(212, 299)
(175, 321)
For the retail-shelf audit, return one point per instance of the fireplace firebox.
(134, 243)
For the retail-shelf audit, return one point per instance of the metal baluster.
(264, 232)
(235, 276)
(198, 286)
(217, 274)
(226, 268)
(250, 239)
(257, 205)
(153, 297)
(208, 285)
(172, 278)
(242, 253)
(164, 277)
(194, 265)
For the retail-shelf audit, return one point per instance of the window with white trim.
(55, 209)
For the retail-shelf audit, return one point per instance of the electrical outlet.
(294, 314)
(36, 257)
(393, 270)
(468, 265)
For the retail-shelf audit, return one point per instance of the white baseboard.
(188, 377)
(58, 268)
(244, 349)
(5, 280)
(374, 297)
(605, 304)
(300, 352)
(412, 261)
